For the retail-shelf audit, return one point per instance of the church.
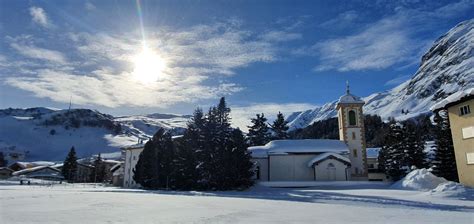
(318, 159)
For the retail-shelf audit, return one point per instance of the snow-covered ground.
(342, 203)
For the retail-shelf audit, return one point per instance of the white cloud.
(380, 46)
(384, 43)
(39, 17)
(241, 115)
(343, 20)
(31, 51)
(198, 61)
(281, 36)
(89, 6)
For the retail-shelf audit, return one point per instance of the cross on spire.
(347, 87)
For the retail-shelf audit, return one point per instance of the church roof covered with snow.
(282, 147)
(453, 98)
(326, 155)
(349, 98)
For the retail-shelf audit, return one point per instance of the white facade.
(301, 160)
(131, 158)
(351, 131)
(318, 159)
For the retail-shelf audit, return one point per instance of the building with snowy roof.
(40, 172)
(318, 159)
(458, 106)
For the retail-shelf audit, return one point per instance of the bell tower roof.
(349, 98)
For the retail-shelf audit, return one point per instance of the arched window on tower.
(352, 118)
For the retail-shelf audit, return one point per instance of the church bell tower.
(352, 132)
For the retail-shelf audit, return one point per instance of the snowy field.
(343, 203)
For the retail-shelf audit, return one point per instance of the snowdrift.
(424, 180)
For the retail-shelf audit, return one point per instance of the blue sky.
(262, 55)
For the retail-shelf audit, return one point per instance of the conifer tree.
(280, 127)
(166, 157)
(69, 169)
(414, 156)
(238, 164)
(259, 132)
(444, 164)
(98, 173)
(189, 148)
(146, 170)
(391, 156)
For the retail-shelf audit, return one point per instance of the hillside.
(447, 67)
(48, 134)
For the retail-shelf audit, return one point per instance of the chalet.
(117, 174)
(40, 172)
(5, 172)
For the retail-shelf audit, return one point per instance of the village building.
(461, 118)
(132, 153)
(17, 166)
(5, 173)
(319, 159)
(83, 172)
(117, 174)
(373, 169)
(40, 172)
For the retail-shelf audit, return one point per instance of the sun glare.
(149, 66)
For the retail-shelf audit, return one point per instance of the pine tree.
(69, 169)
(239, 165)
(189, 148)
(146, 170)
(259, 132)
(391, 157)
(280, 127)
(444, 164)
(166, 157)
(414, 156)
(98, 173)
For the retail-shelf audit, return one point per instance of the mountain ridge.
(447, 67)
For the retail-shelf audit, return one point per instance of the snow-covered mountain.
(447, 67)
(48, 134)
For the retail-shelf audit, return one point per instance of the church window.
(330, 165)
(353, 135)
(354, 152)
(464, 110)
(352, 117)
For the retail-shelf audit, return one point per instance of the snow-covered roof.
(326, 155)
(115, 167)
(136, 146)
(453, 98)
(373, 152)
(278, 147)
(349, 98)
(33, 169)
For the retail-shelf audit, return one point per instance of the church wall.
(322, 173)
(291, 168)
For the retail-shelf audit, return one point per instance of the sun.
(149, 66)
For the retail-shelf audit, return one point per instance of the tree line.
(211, 155)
